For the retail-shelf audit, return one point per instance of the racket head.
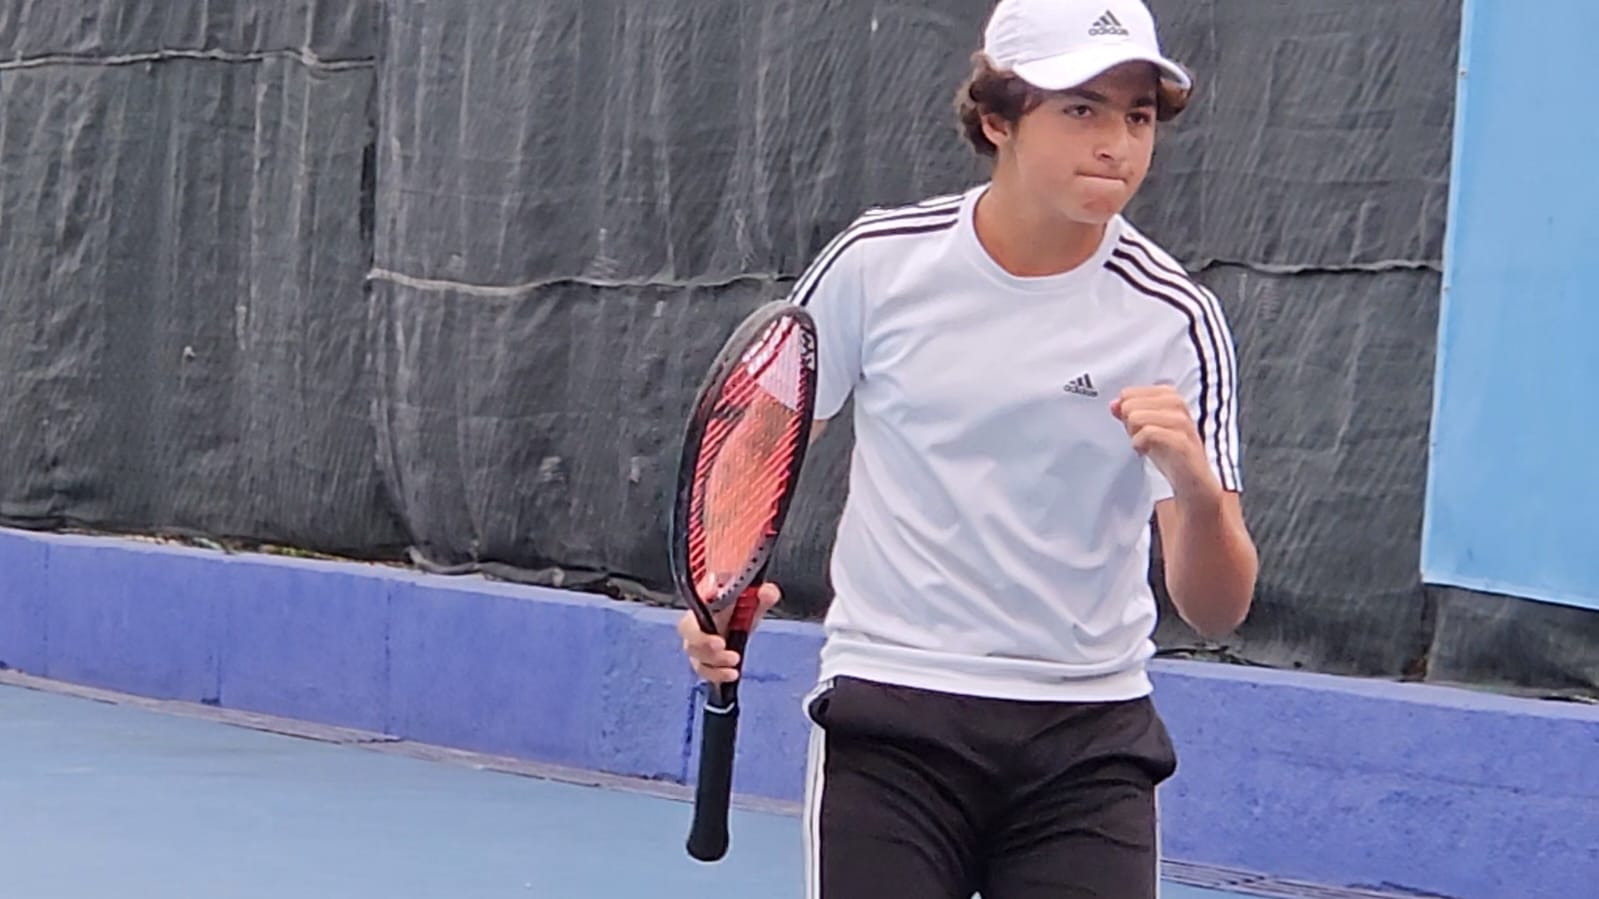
(743, 448)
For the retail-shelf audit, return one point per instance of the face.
(1083, 153)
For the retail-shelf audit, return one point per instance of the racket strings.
(746, 457)
(742, 481)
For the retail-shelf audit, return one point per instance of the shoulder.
(1153, 276)
(880, 232)
(883, 227)
(928, 208)
(1130, 239)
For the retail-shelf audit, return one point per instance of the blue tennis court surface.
(103, 799)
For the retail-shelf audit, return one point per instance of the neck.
(1027, 240)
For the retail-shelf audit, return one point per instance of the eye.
(1079, 110)
(1140, 118)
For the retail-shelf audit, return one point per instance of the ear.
(996, 129)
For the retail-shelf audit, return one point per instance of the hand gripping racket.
(742, 451)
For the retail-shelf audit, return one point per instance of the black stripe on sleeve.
(1229, 405)
(1221, 380)
(1215, 320)
(1209, 423)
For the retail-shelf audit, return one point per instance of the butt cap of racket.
(707, 838)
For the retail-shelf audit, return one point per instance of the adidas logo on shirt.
(1082, 385)
(1107, 24)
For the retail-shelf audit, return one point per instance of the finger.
(767, 595)
(714, 659)
(721, 658)
(1147, 440)
(1143, 442)
(1165, 419)
(1140, 420)
(1146, 391)
(1172, 402)
(1171, 405)
(688, 627)
(714, 675)
(704, 646)
(765, 598)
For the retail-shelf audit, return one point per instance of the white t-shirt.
(995, 536)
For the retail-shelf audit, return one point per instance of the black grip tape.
(707, 839)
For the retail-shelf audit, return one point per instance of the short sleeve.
(1204, 370)
(830, 290)
(1209, 383)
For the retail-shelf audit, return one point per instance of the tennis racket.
(742, 451)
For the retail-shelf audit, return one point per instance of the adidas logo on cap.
(1107, 24)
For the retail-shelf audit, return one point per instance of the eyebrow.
(1094, 96)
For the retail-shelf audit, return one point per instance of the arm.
(1188, 430)
(1211, 562)
(830, 290)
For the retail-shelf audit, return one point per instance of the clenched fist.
(1160, 426)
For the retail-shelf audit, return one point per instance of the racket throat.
(743, 619)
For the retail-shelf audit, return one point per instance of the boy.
(1033, 378)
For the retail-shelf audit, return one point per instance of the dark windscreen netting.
(40, 32)
(711, 139)
(185, 228)
(362, 277)
(1320, 138)
(1335, 396)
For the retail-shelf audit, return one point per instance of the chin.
(1096, 214)
(1095, 210)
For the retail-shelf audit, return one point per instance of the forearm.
(1211, 562)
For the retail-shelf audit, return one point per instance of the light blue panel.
(1514, 472)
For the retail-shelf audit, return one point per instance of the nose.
(1114, 142)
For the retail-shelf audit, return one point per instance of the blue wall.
(1515, 458)
(1308, 777)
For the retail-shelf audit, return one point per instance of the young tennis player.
(1033, 381)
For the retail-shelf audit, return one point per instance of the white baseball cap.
(1060, 44)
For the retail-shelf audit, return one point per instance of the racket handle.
(707, 839)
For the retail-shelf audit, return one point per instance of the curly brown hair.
(993, 91)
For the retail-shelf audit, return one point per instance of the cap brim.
(1058, 73)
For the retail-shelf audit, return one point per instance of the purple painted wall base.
(1338, 781)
